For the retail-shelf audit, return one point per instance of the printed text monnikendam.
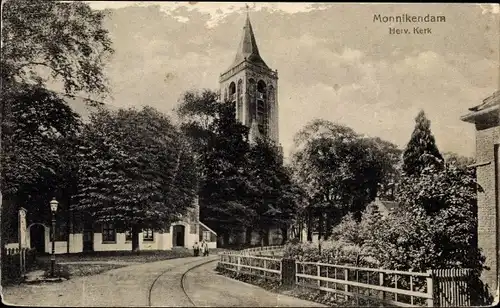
(409, 18)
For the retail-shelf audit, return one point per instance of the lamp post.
(53, 209)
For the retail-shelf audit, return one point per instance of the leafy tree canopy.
(38, 155)
(136, 169)
(49, 40)
(340, 170)
(421, 150)
(275, 195)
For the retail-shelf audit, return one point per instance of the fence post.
(296, 272)
(319, 274)
(239, 265)
(381, 279)
(346, 278)
(265, 266)
(430, 288)
(288, 274)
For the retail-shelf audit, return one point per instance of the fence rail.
(372, 286)
(397, 288)
(267, 268)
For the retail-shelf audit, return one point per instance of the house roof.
(491, 100)
(488, 110)
(385, 206)
(248, 49)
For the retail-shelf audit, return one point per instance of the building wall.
(275, 237)
(487, 177)
(161, 241)
(256, 74)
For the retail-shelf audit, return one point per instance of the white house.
(108, 237)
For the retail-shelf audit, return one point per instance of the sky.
(334, 62)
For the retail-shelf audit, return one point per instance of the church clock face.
(251, 86)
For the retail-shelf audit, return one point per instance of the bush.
(333, 252)
(440, 206)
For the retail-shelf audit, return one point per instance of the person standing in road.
(196, 249)
(204, 247)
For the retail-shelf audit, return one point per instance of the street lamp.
(53, 209)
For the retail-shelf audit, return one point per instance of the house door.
(37, 238)
(178, 236)
(88, 237)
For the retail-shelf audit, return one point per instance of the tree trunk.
(248, 236)
(284, 234)
(135, 237)
(329, 225)
(237, 238)
(68, 230)
(320, 226)
(2, 118)
(309, 224)
(69, 222)
(225, 237)
(266, 236)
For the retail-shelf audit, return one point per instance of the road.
(185, 282)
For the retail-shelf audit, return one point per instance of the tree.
(44, 42)
(421, 150)
(65, 41)
(221, 146)
(339, 170)
(224, 202)
(458, 160)
(136, 170)
(41, 120)
(275, 195)
(390, 157)
(435, 225)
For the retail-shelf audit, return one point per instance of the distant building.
(385, 207)
(486, 118)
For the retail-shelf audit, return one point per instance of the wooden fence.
(267, 268)
(396, 288)
(368, 286)
(15, 262)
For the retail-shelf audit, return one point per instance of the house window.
(61, 233)
(128, 235)
(206, 236)
(147, 235)
(108, 233)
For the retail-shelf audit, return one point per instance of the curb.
(42, 280)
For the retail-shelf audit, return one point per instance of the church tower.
(253, 87)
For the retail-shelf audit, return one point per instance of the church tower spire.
(253, 87)
(248, 48)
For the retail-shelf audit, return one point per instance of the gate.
(451, 287)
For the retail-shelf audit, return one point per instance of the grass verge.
(124, 256)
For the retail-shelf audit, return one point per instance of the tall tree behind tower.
(421, 150)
